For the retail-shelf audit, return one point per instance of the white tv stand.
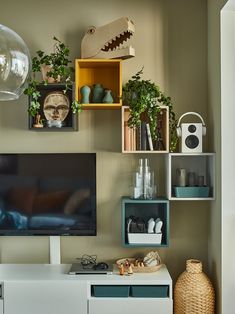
(48, 289)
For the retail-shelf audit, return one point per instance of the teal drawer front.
(111, 291)
(150, 291)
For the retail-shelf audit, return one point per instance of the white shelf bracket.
(55, 256)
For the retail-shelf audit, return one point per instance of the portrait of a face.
(56, 106)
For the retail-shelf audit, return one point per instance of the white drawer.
(130, 305)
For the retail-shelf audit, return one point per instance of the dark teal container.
(102, 291)
(191, 191)
(160, 291)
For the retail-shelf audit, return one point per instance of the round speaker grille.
(192, 128)
(192, 141)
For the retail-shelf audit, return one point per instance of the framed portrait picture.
(55, 113)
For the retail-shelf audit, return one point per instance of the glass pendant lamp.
(15, 64)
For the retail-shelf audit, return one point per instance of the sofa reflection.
(29, 203)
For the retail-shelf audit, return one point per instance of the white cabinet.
(45, 297)
(48, 289)
(130, 305)
(137, 294)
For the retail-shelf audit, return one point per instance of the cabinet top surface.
(47, 272)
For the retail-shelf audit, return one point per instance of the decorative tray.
(137, 265)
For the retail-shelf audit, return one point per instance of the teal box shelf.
(111, 291)
(191, 191)
(160, 291)
(146, 209)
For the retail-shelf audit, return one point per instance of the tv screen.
(48, 194)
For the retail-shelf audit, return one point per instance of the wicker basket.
(194, 293)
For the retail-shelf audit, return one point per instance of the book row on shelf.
(139, 138)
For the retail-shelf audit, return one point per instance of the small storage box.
(150, 291)
(117, 291)
(191, 191)
(144, 238)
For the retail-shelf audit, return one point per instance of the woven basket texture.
(194, 293)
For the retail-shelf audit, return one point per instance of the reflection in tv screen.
(48, 194)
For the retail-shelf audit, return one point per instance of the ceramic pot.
(45, 69)
(194, 293)
(181, 176)
(85, 93)
(108, 98)
(97, 94)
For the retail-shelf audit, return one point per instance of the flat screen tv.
(48, 194)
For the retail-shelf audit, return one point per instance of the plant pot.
(97, 94)
(45, 69)
(108, 98)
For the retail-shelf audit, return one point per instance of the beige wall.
(170, 42)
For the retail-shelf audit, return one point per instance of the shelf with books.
(102, 72)
(139, 140)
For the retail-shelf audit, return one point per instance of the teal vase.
(108, 98)
(98, 94)
(85, 93)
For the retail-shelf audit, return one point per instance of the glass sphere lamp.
(15, 64)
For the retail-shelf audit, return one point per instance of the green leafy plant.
(76, 107)
(35, 95)
(144, 97)
(57, 61)
(58, 70)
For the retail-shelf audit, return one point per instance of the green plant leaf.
(76, 107)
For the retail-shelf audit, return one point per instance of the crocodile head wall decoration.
(106, 42)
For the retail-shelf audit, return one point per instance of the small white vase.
(181, 176)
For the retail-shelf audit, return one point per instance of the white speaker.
(191, 134)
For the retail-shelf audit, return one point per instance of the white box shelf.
(202, 164)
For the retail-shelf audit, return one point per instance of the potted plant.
(55, 69)
(144, 98)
